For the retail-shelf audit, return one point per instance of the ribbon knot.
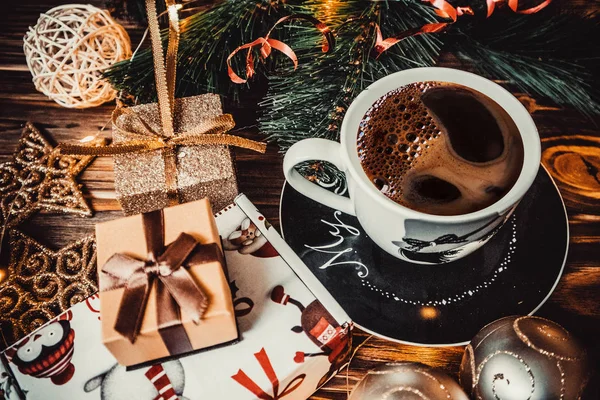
(176, 289)
(158, 269)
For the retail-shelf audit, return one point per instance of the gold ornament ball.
(69, 48)
(524, 358)
(407, 381)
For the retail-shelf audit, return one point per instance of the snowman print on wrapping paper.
(47, 353)
(321, 328)
(248, 239)
(164, 381)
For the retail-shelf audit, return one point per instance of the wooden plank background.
(571, 152)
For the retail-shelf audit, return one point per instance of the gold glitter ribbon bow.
(212, 132)
(446, 10)
(176, 289)
(209, 132)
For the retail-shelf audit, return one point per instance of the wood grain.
(571, 152)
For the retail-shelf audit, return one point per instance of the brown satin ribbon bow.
(176, 289)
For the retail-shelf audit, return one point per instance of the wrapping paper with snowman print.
(290, 343)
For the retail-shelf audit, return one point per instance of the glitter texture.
(202, 171)
(467, 293)
(40, 179)
(524, 357)
(42, 283)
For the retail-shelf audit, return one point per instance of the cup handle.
(316, 149)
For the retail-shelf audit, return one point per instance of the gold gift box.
(202, 171)
(126, 236)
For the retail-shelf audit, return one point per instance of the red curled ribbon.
(382, 45)
(266, 44)
(445, 10)
(514, 5)
(265, 363)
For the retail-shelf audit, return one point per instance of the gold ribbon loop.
(132, 146)
(210, 132)
(219, 139)
(165, 85)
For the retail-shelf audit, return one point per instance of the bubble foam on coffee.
(440, 148)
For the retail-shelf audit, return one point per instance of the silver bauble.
(407, 381)
(524, 358)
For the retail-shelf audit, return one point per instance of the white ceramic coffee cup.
(405, 233)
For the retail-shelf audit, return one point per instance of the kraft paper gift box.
(201, 171)
(292, 342)
(129, 240)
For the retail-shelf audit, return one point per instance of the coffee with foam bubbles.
(440, 148)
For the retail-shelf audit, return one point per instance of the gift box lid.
(292, 342)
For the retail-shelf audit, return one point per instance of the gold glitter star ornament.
(39, 178)
(42, 283)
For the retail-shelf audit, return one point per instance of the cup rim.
(519, 114)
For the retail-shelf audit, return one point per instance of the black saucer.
(443, 305)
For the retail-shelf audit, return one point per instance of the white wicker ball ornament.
(68, 49)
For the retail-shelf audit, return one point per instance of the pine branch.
(207, 39)
(311, 101)
(544, 55)
(562, 82)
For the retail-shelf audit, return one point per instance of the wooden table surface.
(571, 152)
